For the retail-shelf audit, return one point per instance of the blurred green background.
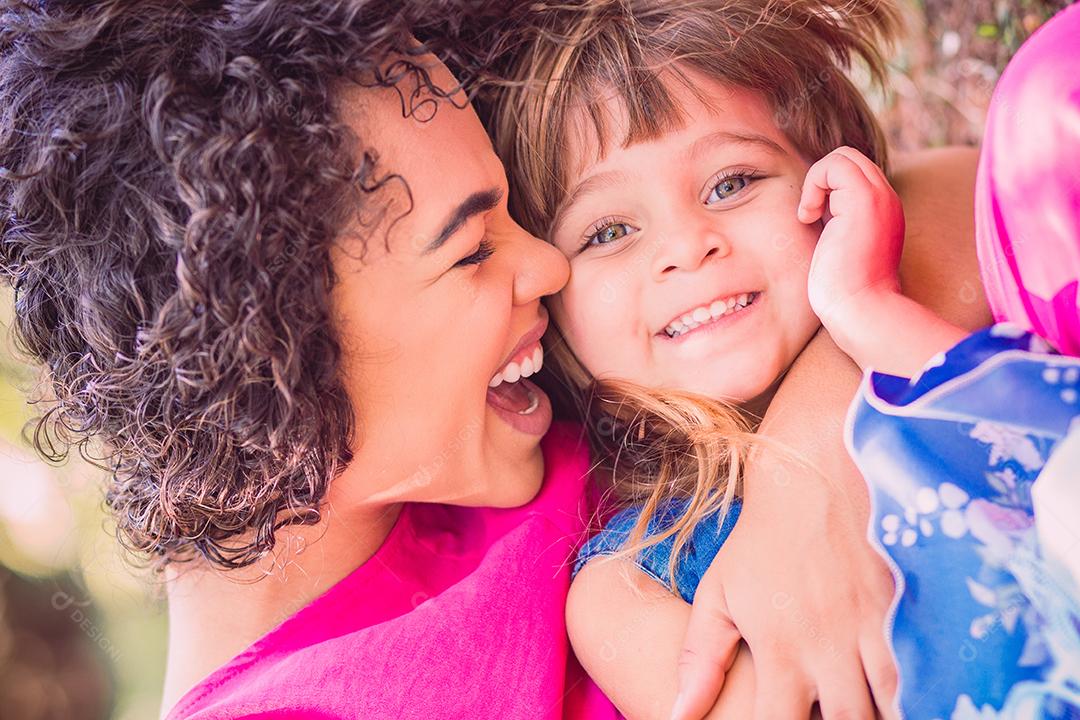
(82, 629)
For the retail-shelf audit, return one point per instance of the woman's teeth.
(520, 368)
(708, 313)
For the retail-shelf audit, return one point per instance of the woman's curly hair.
(172, 177)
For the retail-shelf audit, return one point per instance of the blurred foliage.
(945, 71)
(82, 632)
(52, 669)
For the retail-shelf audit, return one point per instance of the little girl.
(680, 157)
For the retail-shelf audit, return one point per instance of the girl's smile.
(695, 277)
(709, 315)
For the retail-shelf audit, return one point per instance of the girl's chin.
(742, 396)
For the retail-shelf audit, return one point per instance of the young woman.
(250, 242)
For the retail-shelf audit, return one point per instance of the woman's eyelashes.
(483, 252)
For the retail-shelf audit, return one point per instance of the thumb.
(709, 649)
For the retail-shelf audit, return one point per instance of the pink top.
(1027, 191)
(460, 613)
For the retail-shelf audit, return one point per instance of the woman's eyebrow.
(477, 203)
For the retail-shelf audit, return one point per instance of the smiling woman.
(264, 252)
(406, 308)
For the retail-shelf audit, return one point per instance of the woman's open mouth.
(718, 312)
(517, 400)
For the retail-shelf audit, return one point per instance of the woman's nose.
(688, 246)
(541, 269)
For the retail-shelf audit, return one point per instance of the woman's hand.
(940, 271)
(797, 578)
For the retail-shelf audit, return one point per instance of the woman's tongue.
(515, 396)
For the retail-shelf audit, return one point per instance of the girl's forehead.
(600, 127)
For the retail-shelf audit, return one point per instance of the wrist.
(891, 333)
(856, 324)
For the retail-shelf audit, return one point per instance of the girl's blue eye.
(608, 232)
(727, 187)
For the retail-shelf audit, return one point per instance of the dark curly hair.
(172, 177)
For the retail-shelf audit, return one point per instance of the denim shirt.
(694, 558)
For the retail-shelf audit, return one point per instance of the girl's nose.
(688, 247)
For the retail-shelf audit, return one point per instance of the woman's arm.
(939, 269)
(626, 628)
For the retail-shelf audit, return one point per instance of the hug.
(589, 359)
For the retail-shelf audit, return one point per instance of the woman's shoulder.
(940, 267)
(937, 187)
(952, 158)
(920, 175)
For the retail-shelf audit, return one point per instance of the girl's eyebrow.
(604, 180)
(728, 137)
(588, 186)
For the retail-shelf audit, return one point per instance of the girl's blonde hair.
(660, 444)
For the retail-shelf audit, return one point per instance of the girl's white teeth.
(514, 371)
(703, 314)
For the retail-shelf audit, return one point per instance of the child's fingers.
(873, 172)
(811, 203)
(835, 171)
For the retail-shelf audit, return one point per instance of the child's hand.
(858, 253)
(853, 285)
